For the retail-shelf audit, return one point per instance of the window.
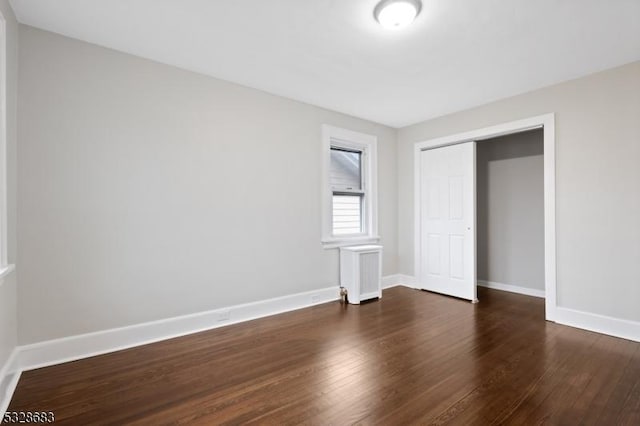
(347, 191)
(349, 188)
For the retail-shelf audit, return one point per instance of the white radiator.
(361, 272)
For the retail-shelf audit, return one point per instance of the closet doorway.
(450, 218)
(510, 212)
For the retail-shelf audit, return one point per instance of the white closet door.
(448, 220)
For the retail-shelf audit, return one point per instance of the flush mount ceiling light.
(396, 14)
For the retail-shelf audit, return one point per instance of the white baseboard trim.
(58, 351)
(397, 280)
(72, 348)
(408, 281)
(512, 288)
(9, 376)
(616, 327)
(391, 281)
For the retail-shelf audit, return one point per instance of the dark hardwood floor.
(411, 358)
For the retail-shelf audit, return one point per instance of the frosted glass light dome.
(396, 14)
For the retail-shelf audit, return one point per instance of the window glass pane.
(347, 214)
(345, 170)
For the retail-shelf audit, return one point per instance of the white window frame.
(5, 268)
(367, 144)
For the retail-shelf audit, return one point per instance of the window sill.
(330, 243)
(6, 271)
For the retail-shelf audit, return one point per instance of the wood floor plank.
(412, 357)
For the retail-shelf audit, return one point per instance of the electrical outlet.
(224, 315)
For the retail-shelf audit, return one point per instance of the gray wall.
(510, 197)
(146, 191)
(8, 290)
(597, 187)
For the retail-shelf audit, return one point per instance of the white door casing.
(448, 220)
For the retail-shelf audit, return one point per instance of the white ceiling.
(332, 53)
